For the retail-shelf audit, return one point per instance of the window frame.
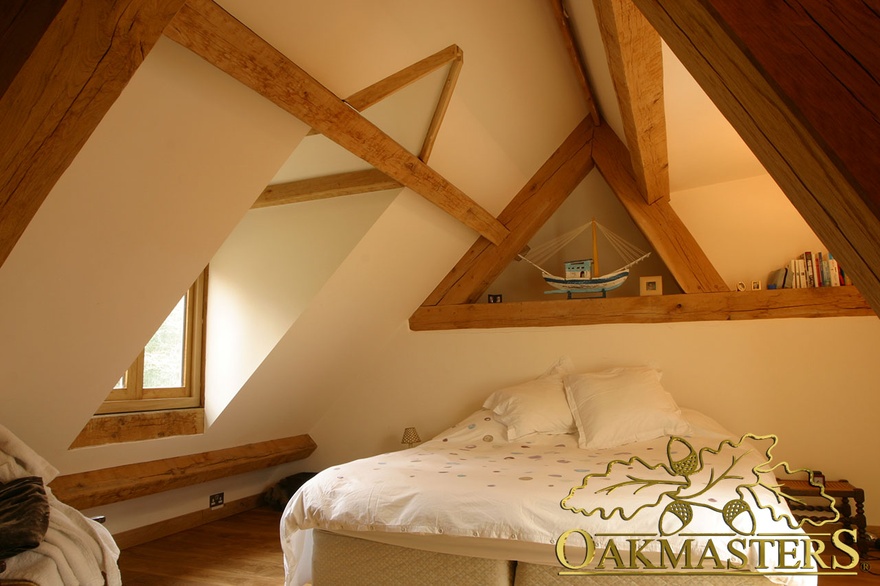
(135, 399)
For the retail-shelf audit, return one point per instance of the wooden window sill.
(145, 425)
(723, 306)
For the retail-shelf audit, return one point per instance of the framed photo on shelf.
(756, 285)
(650, 286)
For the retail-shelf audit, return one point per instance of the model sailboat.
(579, 274)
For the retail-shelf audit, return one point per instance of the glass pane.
(163, 356)
(121, 383)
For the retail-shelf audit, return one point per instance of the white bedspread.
(471, 482)
(75, 550)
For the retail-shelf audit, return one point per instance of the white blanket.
(76, 550)
(471, 482)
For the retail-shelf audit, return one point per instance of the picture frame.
(757, 285)
(650, 286)
(494, 298)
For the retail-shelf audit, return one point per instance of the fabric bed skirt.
(340, 559)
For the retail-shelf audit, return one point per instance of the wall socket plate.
(215, 500)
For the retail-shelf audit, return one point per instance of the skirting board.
(147, 533)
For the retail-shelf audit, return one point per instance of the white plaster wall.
(747, 228)
(264, 276)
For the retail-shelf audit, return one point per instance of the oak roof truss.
(819, 165)
(353, 182)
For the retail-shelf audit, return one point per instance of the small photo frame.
(756, 285)
(650, 286)
(494, 298)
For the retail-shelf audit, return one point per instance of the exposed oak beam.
(442, 106)
(658, 221)
(770, 304)
(66, 72)
(383, 88)
(326, 187)
(574, 54)
(22, 24)
(212, 33)
(634, 53)
(85, 490)
(523, 216)
(397, 81)
(800, 82)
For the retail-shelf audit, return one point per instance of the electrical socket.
(215, 500)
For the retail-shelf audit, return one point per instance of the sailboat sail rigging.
(579, 274)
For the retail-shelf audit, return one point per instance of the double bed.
(603, 478)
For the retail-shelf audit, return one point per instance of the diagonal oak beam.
(442, 106)
(326, 187)
(58, 80)
(397, 81)
(383, 88)
(800, 82)
(658, 221)
(635, 59)
(523, 216)
(209, 31)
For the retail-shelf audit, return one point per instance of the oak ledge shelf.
(722, 306)
(84, 490)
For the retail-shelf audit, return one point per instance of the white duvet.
(470, 482)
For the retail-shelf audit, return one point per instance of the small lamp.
(410, 436)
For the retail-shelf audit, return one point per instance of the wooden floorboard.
(245, 549)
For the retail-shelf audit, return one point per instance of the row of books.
(811, 269)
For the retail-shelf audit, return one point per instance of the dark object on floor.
(278, 495)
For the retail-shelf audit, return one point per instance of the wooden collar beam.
(337, 185)
(209, 31)
(770, 304)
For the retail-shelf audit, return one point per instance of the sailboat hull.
(597, 285)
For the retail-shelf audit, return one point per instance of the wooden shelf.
(84, 490)
(722, 306)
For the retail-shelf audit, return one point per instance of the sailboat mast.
(595, 267)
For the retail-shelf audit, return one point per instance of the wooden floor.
(245, 550)
(242, 550)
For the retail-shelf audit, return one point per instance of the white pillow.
(536, 406)
(621, 406)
